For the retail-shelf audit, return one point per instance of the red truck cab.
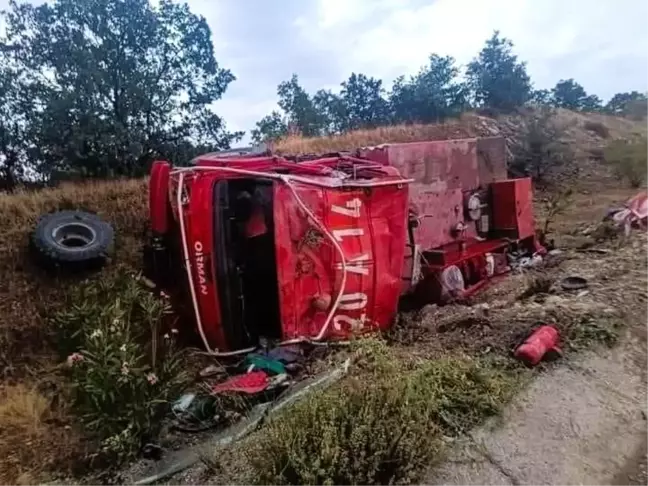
(282, 250)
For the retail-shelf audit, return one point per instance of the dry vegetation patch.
(38, 432)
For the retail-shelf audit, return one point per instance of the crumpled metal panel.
(372, 238)
(443, 171)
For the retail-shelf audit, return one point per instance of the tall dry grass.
(468, 125)
(30, 443)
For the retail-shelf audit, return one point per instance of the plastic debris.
(249, 424)
(184, 402)
(265, 363)
(249, 383)
(633, 213)
(533, 261)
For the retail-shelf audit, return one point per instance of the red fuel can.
(543, 339)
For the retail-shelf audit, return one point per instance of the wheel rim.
(74, 236)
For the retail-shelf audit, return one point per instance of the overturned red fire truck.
(322, 248)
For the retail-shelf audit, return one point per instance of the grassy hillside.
(580, 129)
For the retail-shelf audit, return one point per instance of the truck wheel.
(72, 239)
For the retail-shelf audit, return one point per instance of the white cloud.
(397, 37)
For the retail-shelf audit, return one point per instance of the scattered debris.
(249, 383)
(254, 419)
(197, 413)
(152, 451)
(573, 283)
(634, 213)
(264, 363)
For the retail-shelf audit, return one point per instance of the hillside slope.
(584, 131)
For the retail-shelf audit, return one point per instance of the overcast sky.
(602, 44)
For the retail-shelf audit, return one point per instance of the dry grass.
(29, 444)
(468, 125)
(27, 295)
(28, 298)
(22, 414)
(22, 411)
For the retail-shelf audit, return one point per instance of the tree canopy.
(632, 103)
(103, 87)
(433, 95)
(496, 78)
(569, 94)
(113, 83)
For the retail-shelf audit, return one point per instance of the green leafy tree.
(496, 78)
(569, 94)
(430, 96)
(619, 103)
(364, 103)
(299, 108)
(541, 97)
(270, 127)
(120, 82)
(333, 111)
(17, 109)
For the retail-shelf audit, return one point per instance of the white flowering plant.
(125, 375)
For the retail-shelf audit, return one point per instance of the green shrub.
(628, 160)
(381, 425)
(540, 151)
(124, 373)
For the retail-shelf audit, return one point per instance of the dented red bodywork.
(347, 236)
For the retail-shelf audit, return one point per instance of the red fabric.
(250, 383)
(256, 224)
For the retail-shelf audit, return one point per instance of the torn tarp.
(633, 213)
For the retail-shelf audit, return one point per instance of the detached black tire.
(72, 239)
